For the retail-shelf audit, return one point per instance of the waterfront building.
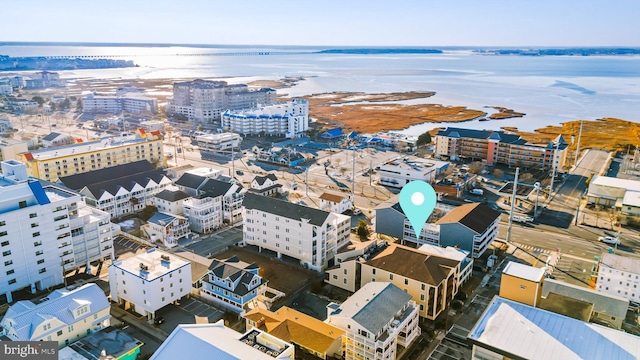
(204, 100)
(45, 230)
(290, 119)
(149, 281)
(310, 235)
(216, 341)
(314, 337)
(44, 79)
(63, 316)
(132, 102)
(376, 320)
(493, 147)
(233, 284)
(50, 164)
(119, 190)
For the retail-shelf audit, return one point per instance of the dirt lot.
(282, 276)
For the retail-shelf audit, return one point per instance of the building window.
(406, 281)
(10, 272)
(33, 215)
(37, 233)
(12, 281)
(39, 252)
(7, 263)
(6, 253)
(5, 243)
(40, 261)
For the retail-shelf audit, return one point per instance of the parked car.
(357, 211)
(522, 219)
(158, 320)
(609, 240)
(239, 172)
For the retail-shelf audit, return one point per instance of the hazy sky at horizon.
(327, 22)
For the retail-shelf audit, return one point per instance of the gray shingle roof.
(51, 136)
(215, 188)
(284, 208)
(190, 181)
(481, 134)
(477, 217)
(161, 218)
(172, 195)
(106, 175)
(241, 277)
(261, 179)
(381, 307)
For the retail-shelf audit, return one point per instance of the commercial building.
(133, 102)
(290, 119)
(50, 164)
(119, 190)
(509, 329)
(218, 142)
(234, 284)
(45, 230)
(376, 320)
(607, 309)
(149, 281)
(499, 147)
(216, 341)
(204, 101)
(623, 194)
(522, 283)
(63, 316)
(312, 336)
(620, 276)
(397, 173)
(431, 280)
(309, 235)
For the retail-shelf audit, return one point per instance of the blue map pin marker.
(417, 200)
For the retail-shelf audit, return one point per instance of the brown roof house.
(471, 227)
(311, 335)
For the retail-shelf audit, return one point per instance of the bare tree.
(526, 177)
(476, 167)
(498, 173)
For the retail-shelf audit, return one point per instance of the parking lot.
(215, 243)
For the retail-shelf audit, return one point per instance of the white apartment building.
(204, 213)
(200, 187)
(5, 87)
(130, 102)
(41, 228)
(204, 100)
(376, 319)
(399, 172)
(290, 119)
(619, 276)
(309, 235)
(149, 281)
(219, 142)
(63, 316)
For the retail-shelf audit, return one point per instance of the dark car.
(158, 320)
(239, 172)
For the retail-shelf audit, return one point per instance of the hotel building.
(290, 119)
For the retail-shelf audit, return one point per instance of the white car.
(609, 240)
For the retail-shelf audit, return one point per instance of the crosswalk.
(533, 249)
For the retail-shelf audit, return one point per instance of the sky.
(326, 22)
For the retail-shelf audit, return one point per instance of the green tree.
(424, 139)
(79, 105)
(39, 99)
(362, 229)
(65, 104)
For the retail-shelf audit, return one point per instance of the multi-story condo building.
(204, 101)
(397, 173)
(233, 283)
(20, 105)
(5, 87)
(313, 336)
(290, 119)
(309, 235)
(44, 79)
(170, 200)
(149, 281)
(50, 164)
(63, 316)
(620, 276)
(431, 280)
(218, 142)
(203, 211)
(471, 227)
(376, 319)
(119, 190)
(495, 147)
(131, 102)
(216, 341)
(41, 228)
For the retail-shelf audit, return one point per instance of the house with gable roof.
(170, 200)
(376, 319)
(335, 203)
(266, 185)
(233, 284)
(56, 139)
(166, 228)
(63, 316)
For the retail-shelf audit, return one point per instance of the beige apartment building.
(50, 164)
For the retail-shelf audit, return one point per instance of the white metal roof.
(155, 265)
(622, 263)
(524, 271)
(615, 182)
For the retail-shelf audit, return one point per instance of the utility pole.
(578, 147)
(553, 174)
(306, 182)
(513, 203)
(537, 187)
(353, 178)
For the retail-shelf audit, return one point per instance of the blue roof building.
(510, 329)
(332, 134)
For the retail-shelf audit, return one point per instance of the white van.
(522, 219)
(479, 192)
